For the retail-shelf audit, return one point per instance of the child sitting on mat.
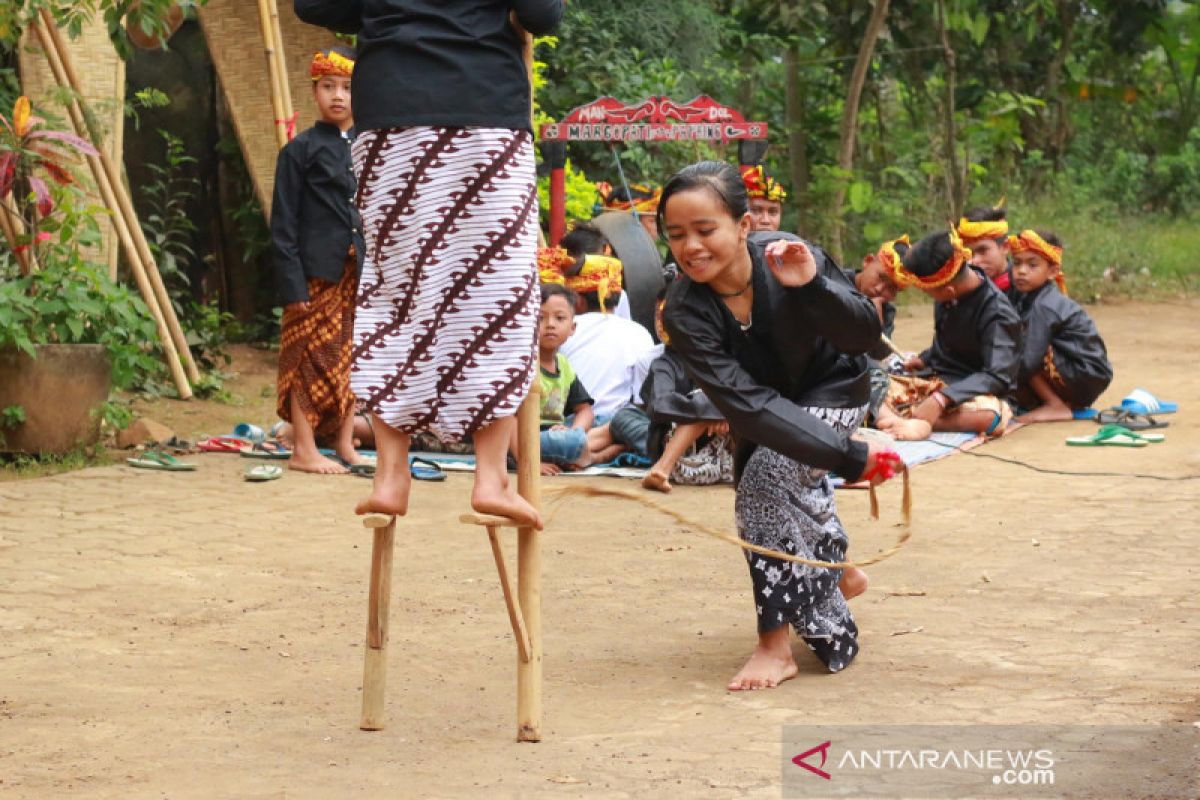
(984, 232)
(566, 407)
(961, 381)
(590, 253)
(1064, 364)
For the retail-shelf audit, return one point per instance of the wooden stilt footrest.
(515, 617)
(380, 593)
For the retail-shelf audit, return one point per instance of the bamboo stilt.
(529, 571)
(515, 618)
(379, 603)
(110, 193)
(285, 87)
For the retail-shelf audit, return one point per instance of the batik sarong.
(786, 506)
(314, 352)
(447, 310)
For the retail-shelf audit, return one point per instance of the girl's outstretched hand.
(883, 463)
(791, 262)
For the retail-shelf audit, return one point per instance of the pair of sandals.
(1136, 412)
(421, 469)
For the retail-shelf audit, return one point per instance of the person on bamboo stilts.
(448, 306)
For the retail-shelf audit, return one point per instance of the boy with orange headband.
(766, 196)
(317, 254)
(985, 232)
(1064, 364)
(964, 376)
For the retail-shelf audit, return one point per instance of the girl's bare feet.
(316, 463)
(769, 665)
(657, 481)
(853, 583)
(389, 495)
(503, 501)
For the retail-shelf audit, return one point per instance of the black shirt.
(437, 62)
(1050, 320)
(976, 343)
(313, 216)
(804, 347)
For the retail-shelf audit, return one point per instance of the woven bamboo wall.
(234, 37)
(102, 77)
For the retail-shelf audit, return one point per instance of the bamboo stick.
(13, 229)
(515, 617)
(285, 87)
(125, 206)
(529, 571)
(380, 593)
(58, 66)
(268, 34)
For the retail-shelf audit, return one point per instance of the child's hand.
(883, 463)
(791, 262)
(559, 428)
(913, 362)
(550, 470)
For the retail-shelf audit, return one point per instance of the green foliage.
(149, 16)
(116, 414)
(580, 192)
(12, 416)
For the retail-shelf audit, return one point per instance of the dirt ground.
(191, 635)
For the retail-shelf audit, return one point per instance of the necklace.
(740, 291)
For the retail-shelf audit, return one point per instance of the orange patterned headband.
(334, 65)
(759, 184)
(984, 229)
(1030, 241)
(945, 273)
(888, 256)
(599, 274)
(553, 263)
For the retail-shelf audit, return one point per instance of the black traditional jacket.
(976, 344)
(313, 216)
(1050, 320)
(805, 346)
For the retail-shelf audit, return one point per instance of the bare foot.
(657, 481)
(387, 496)
(315, 463)
(1047, 413)
(767, 668)
(351, 456)
(853, 583)
(505, 502)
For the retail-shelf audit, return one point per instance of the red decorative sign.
(655, 119)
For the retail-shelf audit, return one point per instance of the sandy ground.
(190, 635)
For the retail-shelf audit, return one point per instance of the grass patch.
(19, 466)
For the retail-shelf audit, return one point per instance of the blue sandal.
(422, 469)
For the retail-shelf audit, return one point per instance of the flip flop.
(263, 472)
(1132, 420)
(156, 459)
(1142, 402)
(422, 469)
(362, 470)
(223, 444)
(1115, 436)
(267, 449)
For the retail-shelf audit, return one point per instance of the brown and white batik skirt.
(444, 336)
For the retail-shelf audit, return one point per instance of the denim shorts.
(563, 447)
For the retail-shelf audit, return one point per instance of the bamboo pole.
(285, 87)
(59, 66)
(268, 34)
(13, 229)
(529, 571)
(58, 51)
(378, 603)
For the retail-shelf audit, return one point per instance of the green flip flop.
(263, 472)
(1115, 436)
(156, 459)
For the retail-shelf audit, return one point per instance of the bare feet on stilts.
(769, 665)
(389, 495)
(503, 501)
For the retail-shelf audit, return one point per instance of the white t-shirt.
(604, 351)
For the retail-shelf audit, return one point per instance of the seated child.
(590, 253)
(985, 232)
(875, 281)
(566, 407)
(962, 379)
(1064, 365)
(766, 196)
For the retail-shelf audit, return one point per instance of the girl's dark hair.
(583, 239)
(343, 50)
(558, 290)
(717, 176)
(986, 214)
(1051, 237)
(929, 254)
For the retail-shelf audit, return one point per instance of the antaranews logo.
(823, 749)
